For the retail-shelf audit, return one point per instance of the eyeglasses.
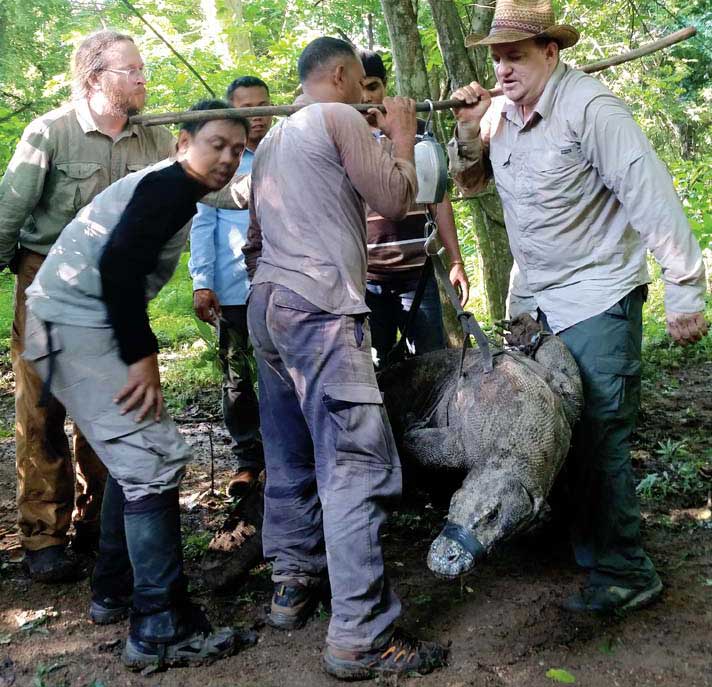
(133, 74)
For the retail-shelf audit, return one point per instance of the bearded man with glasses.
(64, 159)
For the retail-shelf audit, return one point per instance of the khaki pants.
(45, 478)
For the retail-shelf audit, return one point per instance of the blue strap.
(464, 538)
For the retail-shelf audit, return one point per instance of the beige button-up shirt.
(60, 164)
(584, 195)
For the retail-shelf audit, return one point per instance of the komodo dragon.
(508, 430)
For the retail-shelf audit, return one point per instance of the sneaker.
(109, 610)
(401, 655)
(614, 598)
(241, 483)
(197, 649)
(52, 565)
(293, 604)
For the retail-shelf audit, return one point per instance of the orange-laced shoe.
(401, 654)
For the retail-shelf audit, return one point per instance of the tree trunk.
(237, 31)
(408, 57)
(464, 67)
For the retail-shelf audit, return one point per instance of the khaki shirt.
(312, 176)
(584, 195)
(60, 164)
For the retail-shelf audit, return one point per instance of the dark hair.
(372, 64)
(194, 127)
(245, 82)
(319, 52)
(543, 41)
(88, 59)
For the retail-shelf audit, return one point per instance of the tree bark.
(464, 66)
(408, 57)
(238, 33)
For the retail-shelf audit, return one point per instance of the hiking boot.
(52, 565)
(199, 648)
(401, 655)
(614, 598)
(293, 604)
(241, 483)
(109, 610)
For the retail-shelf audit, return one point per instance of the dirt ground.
(504, 621)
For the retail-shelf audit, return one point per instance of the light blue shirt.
(216, 240)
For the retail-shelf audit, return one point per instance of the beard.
(122, 105)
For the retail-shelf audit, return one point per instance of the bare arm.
(448, 236)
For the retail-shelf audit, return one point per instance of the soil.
(504, 621)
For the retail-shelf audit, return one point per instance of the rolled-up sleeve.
(467, 156)
(629, 166)
(202, 247)
(387, 184)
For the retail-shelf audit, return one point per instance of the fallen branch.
(286, 110)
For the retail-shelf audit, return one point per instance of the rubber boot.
(165, 629)
(112, 580)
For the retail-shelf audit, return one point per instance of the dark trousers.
(239, 401)
(333, 471)
(390, 306)
(604, 505)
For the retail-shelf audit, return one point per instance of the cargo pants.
(604, 506)
(146, 458)
(239, 401)
(333, 472)
(46, 489)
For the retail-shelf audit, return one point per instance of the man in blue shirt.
(220, 286)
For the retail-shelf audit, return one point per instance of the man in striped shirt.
(396, 255)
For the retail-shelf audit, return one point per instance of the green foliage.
(680, 473)
(560, 675)
(195, 544)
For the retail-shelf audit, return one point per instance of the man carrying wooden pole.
(584, 196)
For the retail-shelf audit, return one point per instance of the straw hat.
(517, 20)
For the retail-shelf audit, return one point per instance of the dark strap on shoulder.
(399, 350)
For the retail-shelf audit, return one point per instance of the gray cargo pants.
(333, 472)
(145, 457)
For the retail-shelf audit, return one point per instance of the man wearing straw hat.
(584, 196)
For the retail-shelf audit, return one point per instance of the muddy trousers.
(239, 401)
(603, 501)
(333, 472)
(46, 489)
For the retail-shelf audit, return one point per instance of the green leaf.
(560, 675)
(5, 638)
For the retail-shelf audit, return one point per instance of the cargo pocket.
(613, 376)
(362, 433)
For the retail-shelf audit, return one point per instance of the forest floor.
(504, 622)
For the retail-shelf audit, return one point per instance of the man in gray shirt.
(332, 468)
(584, 196)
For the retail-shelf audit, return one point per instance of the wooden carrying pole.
(286, 110)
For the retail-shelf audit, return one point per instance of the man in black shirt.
(89, 336)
